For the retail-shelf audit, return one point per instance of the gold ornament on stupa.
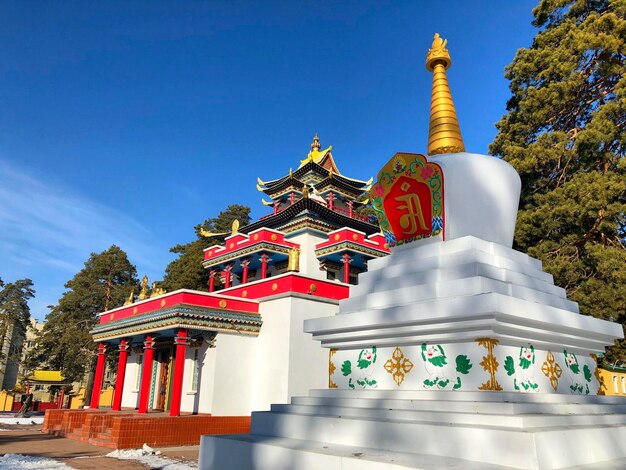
(444, 133)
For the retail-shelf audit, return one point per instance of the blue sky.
(130, 122)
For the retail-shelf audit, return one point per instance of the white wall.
(201, 400)
(288, 361)
(233, 380)
(272, 354)
(309, 264)
(130, 396)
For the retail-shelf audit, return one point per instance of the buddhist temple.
(210, 358)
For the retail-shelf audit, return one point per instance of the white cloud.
(48, 232)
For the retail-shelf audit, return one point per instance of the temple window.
(195, 373)
(138, 372)
(615, 389)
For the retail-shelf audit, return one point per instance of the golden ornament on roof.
(144, 288)
(444, 132)
(234, 228)
(130, 298)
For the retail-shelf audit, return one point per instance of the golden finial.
(305, 191)
(131, 298)
(330, 172)
(294, 260)
(144, 288)
(444, 133)
(316, 143)
(290, 172)
(234, 228)
(156, 291)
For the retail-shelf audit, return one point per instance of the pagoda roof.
(343, 183)
(320, 162)
(304, 207)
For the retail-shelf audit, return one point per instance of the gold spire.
(444, 133)
(316, 143)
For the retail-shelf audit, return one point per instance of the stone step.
(368, 284)
(408, 265)
(468, 396)
(433, 248)
(106, 435)
(520, 421)
(237, 451)
(416, 294)
(495, 445)
(503, 408)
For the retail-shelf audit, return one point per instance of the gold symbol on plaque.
(413, 207)
(490, 364)
(331, 368)
(398, 366)
(552, 370)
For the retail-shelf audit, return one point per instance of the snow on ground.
(28, 462)
(31, 420)
(149, 458)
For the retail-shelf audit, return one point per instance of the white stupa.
(455, 351)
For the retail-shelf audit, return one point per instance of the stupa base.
(347, 429)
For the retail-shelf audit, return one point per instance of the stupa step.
(434, 248)
(517, 448)
(244, 452)
(368, 284)
(461, 287)
(463, 319)
(517, 421)
(478, 396)
(503, 408)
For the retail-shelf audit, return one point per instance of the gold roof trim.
(444, 132)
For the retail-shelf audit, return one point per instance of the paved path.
(28, 440)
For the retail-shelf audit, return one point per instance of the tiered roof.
(304, 195)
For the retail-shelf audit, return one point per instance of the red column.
(276, 206)
(350, 208)
(146, 376)
(331, 200)
(121, 372)
(227, 275)
(245, 264)
(179, 367)
(212, 280)
(346, 267)
(264, 259)
(97, 381)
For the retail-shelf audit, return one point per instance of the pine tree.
(187, 272)
(564, 134)
(65, 342)
(14, 316)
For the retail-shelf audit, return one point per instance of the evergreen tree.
(14, 315)
(564, 134)
(186, 271)
(65, 342)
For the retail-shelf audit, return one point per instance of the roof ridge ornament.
(444, 132)
(316, 143)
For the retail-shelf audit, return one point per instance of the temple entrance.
(162, 389)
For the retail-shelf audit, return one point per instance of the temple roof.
(311, 209)
(320, 163)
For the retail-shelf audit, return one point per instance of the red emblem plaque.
(408, 198)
